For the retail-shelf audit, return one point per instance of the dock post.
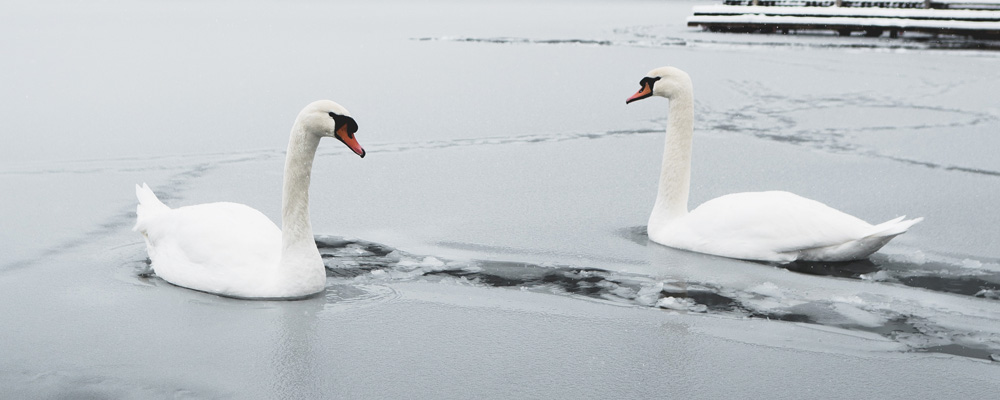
(927, 3)
(838, 3)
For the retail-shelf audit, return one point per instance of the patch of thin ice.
(916, 257)
(858, 316)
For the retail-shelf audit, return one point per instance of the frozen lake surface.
(492, 243)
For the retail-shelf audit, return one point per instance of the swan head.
(666, 82)
(325, 118)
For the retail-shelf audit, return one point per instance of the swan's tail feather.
(148, 205)
(862, 247)
(893, 227)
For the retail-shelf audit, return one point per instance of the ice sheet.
(491, 243)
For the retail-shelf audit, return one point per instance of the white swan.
(233, 250)
(767, 226)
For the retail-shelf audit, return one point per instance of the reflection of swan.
(233, 250)
(769, 226)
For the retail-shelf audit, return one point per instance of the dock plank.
(977, 23)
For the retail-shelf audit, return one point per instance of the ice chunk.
(673, 303)
(648, 295)
(432, 262)
(767, 289)
(877, 276)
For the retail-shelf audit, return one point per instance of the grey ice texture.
(491, 243)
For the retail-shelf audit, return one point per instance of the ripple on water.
(360, 273)
(352, 296)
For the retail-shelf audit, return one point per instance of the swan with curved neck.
(233, 250)
(767, 226)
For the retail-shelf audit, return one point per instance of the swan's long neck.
(296, 231)
(675, 176)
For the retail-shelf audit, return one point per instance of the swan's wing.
(214, 244)
(762, 225)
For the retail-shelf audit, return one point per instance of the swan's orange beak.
(348, 139)
(643, 93)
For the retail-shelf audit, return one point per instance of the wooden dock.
(978, 19)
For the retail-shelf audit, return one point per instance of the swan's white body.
(767, 226)
(233, 250)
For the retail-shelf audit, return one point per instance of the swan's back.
(776, 226)
(216, 247)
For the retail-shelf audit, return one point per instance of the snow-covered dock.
(974, 18)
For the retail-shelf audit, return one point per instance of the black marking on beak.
(341, 120)
(645, 89)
